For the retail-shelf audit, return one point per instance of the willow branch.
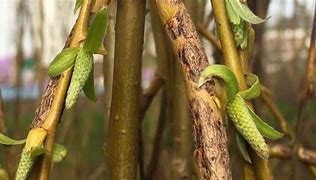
(57, 90)
(211, 151)
(233, 61)
(209, 36)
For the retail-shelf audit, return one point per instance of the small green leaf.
(254, 90)
(9, 141)
(242, 147)
(36, 151)
(265, 129)
(64, 60)
(232, 15)
(244, 12)
(96, 32)
(88, 88)
(59, 152)
(77, 5)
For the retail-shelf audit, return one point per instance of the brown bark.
(211, 151)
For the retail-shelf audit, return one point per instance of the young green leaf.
(96, 32)
(77, 5)
(59, 152)
(254, 90)
(88, 88)
(36, 151)
(266, 130)
(9, 141)
(244, 12)
(232, 15)
(64, 60)
(242, 147)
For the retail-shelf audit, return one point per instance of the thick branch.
(122, 140)
(211, 151)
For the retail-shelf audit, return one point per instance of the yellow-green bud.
(239, 114)
(83, 66)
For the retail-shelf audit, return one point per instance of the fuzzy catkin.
(83, 66)
(25, 165)
(239, 114)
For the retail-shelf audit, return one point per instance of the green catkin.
(239, 114)
(83, 66)
(25, 165)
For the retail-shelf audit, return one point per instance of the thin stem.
(209, 36)
(8, 154)
(51, 122)
(154, 160)
(305, 94)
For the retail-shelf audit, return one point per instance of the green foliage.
(64, 60)
(237, 8)
(248, 124)
(9, 141)
(88, 88)
(77, 5)
(242, 147)
(59, 152)
(96, 32)
(36, 151)
(266, 130)
(254, 90)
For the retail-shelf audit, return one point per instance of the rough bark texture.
(122, 141)
(211, 151)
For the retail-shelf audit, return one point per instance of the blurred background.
(32, 32)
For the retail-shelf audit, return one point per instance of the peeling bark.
(211, 151)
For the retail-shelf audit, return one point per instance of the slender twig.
(145, 102)
(8, 154)
(51, 122)
(154, 160)
(209, 36)
(149, 94)
(305, 93)
(285, 152)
